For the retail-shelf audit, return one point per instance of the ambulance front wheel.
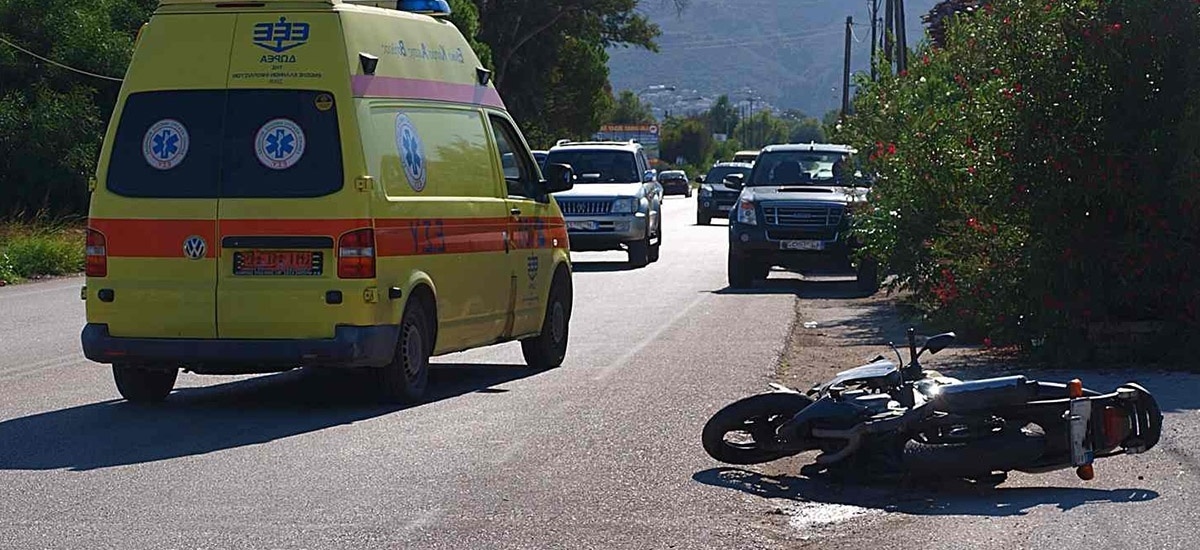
(548, 349)
(144, 385)
(404, 380)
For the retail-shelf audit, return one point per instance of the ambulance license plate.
(277, 263)
(801, 245)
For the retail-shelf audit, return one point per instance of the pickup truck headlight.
(625, 205)
(746, 213)
(705, 191)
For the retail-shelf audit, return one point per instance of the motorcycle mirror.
(938, 343)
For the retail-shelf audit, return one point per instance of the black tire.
(653, 252)
(973, 459)
(867, 276)
(703, 219)
(760, 271)
(740, 271)
(762, 414)
(406, 378)
(143, 385)
(639, 252)
(688, 193)
(548, 349)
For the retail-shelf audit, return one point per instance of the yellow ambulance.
(318, 183)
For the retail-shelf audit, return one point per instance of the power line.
(57, 64)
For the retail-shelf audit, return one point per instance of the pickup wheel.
(740, 271)
(639, 252)
(404, 380)
(143, 385)
(703, 219)
(548, 349)
(867, 276)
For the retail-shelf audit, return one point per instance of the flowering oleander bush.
(1039, 171)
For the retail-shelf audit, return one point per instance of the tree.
(629, 109)
(688, 138)
(52, 120)
(465, 15)
(723, 116)
(545, 51)
(761, 129)
(803, 128)
(1038, 173)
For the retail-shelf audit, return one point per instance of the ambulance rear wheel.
(548, 349)
(143, 385)
(404, 380)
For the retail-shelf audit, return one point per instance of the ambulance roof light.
(437, 8)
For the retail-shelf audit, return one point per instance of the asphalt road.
(600, 453)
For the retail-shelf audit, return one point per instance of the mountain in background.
(787, 54)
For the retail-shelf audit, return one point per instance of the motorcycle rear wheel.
(758, 416)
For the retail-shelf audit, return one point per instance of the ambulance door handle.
(515, 211)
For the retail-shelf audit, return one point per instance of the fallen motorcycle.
(894, 420)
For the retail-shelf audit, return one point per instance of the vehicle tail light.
(96, 254)
(356, 255)
(1116, 426)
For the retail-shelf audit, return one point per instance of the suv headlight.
(625, 205)
(705, 191)
(746, 213)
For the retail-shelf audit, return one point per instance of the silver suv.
(616, 203)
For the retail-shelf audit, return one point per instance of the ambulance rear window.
(227, 144)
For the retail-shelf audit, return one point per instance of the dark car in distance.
(794, 212)
(675, 182)
(716, 198)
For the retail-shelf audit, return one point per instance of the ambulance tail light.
(356, 255)
(436, 8)
(96, 254)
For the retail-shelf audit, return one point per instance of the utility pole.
(889, 29)
(750, 127)
(902, 35)
(846, 72)
(874, 35)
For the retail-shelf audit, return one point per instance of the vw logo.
(194, 247)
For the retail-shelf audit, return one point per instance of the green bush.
(1039, 171)
(8, 274)
(45, 254)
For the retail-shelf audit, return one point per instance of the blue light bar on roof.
(427, 7)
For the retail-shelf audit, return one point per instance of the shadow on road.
(960, 499)
(807, 289)
(195, 421)
(602, 267)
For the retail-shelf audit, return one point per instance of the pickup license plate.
(802, 245)
(277, 263)
(584, 226)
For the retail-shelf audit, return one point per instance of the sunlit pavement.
(601, 453)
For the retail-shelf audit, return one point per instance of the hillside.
(789, 52)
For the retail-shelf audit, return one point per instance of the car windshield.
(672, 176)
(717, 174)
(798, 168)
(598, 166)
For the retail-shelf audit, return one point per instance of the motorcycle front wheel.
(736, 433)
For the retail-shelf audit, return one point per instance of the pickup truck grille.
(809, 216)
(585, 208)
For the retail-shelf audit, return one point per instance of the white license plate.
(585, 226)
(801, 245)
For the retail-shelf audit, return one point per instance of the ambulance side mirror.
(559, 177)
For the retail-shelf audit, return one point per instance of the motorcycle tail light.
(1116, 426)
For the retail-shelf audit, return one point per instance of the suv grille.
(809, 216)
(585, 208)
